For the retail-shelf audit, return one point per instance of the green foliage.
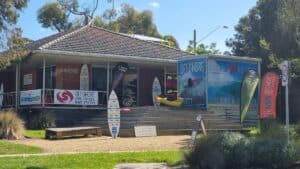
(267, 150)
(269, 31)
(53, 16)
(11, 126)
(9, 12)
(202, 49)
(221, 150)
(90, 161)
(170, 41)
(12, 148)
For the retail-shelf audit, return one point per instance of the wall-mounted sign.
(75, 97)
(284, 67)
(27, 79)
(30, 97)
(192, 81)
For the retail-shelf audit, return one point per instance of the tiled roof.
(95, 40)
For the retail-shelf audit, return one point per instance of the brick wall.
(8, 79)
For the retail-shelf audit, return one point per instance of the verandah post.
(44, 81)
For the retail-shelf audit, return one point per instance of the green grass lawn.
(88, 161)
(11, 148)
(35, 133)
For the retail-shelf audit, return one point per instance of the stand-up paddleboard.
(1, 95)
(113, 114)
(248, 88)
(156, 91)
(84, 77)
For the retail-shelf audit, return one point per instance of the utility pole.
(285, 66)
(195, 42)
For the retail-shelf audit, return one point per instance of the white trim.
(106, 56)
(239, 58)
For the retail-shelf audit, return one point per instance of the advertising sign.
(27, 79)
(284, 66)
(225, 79)
(268, 95)
(30, 97)
(192, 81)
(75, 97)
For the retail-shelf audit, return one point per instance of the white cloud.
(154, 4)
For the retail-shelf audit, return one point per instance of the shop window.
(126, 89)
(50, 78)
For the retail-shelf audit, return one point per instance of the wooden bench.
(59, 133)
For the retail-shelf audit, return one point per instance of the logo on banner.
(64, 96)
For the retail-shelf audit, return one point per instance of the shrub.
(222, 150)
(11, 126)
(271, 153)
(206, 154)
(37, 120)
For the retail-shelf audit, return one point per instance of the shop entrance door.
(100, 83)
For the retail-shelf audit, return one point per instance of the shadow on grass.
(35, 167)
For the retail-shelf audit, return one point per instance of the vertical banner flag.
(268, 95)
(248, 88)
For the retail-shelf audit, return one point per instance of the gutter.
(106, 56)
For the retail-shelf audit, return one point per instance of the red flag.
(268, 95)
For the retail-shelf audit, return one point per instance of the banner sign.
(192, 81)
(30, 97)
(248, 89)
(268, 95)
(284, 66)
(75, 97)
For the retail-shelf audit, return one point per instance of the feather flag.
(248, 88)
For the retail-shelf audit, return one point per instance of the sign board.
(145, 131)
(75, 97)
(284, 67)
(27, 79)
(30, 97)
(192, 81)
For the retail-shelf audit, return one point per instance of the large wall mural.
(224, 88)
(192, 81)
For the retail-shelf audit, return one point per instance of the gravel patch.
(107, 144)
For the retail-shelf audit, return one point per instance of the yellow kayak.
(164, 100)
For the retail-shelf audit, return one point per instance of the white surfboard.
(113, 114)
(156, 91)
(84, 77)
(1, 95)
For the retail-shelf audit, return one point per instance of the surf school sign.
(75, 97)
(192, 80)
(30, 97)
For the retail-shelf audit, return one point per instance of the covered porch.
(36, 82)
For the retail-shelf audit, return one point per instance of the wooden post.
(44, 81)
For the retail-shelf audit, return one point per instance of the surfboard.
(84, 77)
(156, 91)
(1, 95)
(113, 114)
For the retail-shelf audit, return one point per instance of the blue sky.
(176, 17)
